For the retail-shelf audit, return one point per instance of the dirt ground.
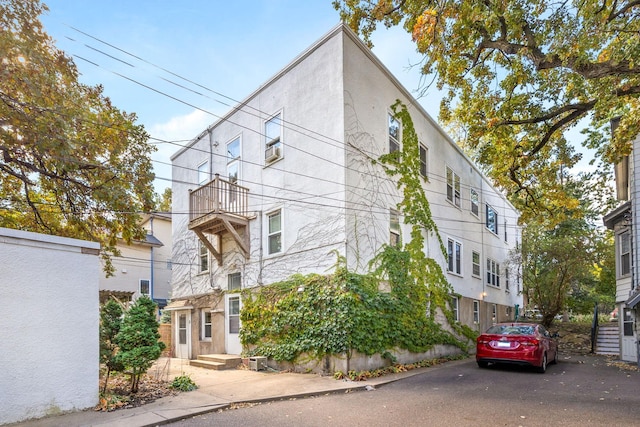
(574, 337)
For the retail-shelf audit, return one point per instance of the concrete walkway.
(223, 389)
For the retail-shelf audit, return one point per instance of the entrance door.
(232, 324)
(628, 352)
(183, 334)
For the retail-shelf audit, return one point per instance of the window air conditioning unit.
(272, 153)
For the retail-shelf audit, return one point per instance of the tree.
(138, 340)
(520, 75)
(569, 264)
(110, 322)
(163, 201)
(71, 164)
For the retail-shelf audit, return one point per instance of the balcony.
(219, 207)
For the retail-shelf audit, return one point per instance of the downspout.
(151, 278)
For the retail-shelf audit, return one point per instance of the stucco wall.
(371, 194)
(49, 324)
(307, 183)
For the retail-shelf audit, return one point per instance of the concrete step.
(217, 361)
(608, 340)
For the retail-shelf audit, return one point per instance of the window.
(234, 315)
(233, 160)
(506, 279)
(625, 253)
(204, 257)
(505, 231)
(453, 187)
(423, 161)
(454, 256)
(454, 308)
(394, 228)
(627, 322)
(203, 173)
(493, 273)
(145, 287)
(475, 202)
(182, 329)
(476, 312)
(169, 264)
(492, 219)
(475, 263)
(494, 313)
(273, 138)
(234, 281)
(275, 232)
(394, 134)
(205, 321)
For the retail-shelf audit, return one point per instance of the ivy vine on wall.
(318, 315)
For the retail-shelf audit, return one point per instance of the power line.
(240, 106)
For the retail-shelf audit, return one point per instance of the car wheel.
(482, 364)
(543, 368)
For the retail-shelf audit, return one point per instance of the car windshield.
(511, 330)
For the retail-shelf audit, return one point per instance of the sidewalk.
(221, 389)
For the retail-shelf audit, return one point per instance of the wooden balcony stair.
(219, 207)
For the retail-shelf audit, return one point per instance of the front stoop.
(608, 341)
(217, 361)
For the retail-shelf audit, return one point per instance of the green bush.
(183, 383)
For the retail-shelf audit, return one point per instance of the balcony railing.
(218, 197)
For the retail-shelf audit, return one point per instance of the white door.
(628, 350)
(232, 324)
(183, 334)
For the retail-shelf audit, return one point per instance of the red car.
(517, 343)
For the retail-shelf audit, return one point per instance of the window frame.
(624, 255)
(474, 202)
(148, 285)
(234, 162)
(204, 173)
(270, 139)
(493, 273)
(493, 226)
(204, 324)
(455, 307)
(506, 237)
(454, 256)
(395, 230)
(453, 186)
(476, 265)
(231, 278)
(424, 163)
(203, 257)
(476, 312)
(274, 234)
(394, 141)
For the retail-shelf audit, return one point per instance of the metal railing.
(218, 196)
(594, 328)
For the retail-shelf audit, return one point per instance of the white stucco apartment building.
(285, 181)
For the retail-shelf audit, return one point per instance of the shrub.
(183, 383)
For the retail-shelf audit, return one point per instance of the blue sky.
(228, 48)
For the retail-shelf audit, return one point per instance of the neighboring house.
(143, 267)
(625, 223)
(285, 181)
(49, 324)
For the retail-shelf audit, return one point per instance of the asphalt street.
(461, 394)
